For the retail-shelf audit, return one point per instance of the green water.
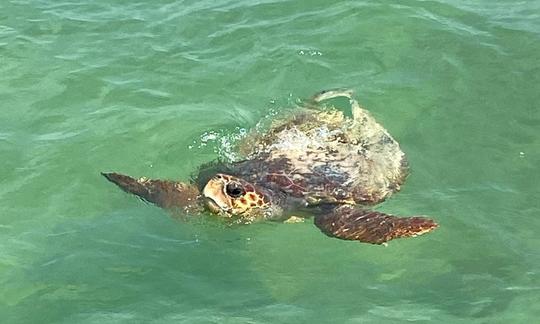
(141, 87)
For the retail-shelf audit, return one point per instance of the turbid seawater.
(156, 88)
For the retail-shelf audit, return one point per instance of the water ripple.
(159, 88)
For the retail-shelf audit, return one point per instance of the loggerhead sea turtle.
(312, 162)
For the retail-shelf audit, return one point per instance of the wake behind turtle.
(312, 162)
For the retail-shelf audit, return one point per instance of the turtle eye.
(235, 190)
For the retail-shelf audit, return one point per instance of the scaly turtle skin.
(313, 161)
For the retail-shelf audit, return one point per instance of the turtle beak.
(214, 196)
(212, 205)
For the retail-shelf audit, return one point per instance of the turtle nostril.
(234, 190)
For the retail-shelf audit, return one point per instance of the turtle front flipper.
(350, 223)
(163, 193)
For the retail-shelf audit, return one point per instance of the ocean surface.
(156, 88)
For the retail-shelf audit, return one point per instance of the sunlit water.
(155, 88)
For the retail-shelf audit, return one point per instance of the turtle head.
(233, 196)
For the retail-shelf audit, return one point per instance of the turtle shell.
(322, 156)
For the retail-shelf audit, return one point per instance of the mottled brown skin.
(164, 193)
(317, 163)
(349, 223)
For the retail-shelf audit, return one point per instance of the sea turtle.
(315, 161)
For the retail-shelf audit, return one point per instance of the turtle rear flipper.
(332, 93)
(349, 223)
(163, 193)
